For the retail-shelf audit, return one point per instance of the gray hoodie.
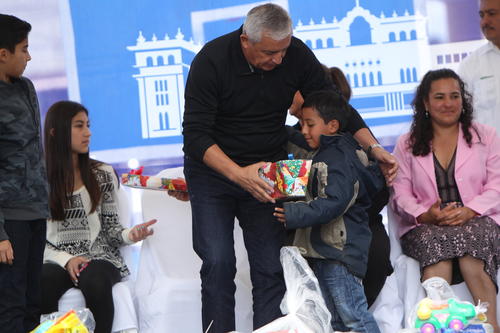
(23, 179)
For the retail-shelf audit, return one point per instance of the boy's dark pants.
(20, 292)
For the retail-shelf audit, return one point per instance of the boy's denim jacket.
(332, 222)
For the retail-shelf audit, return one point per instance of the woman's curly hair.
(421, 132)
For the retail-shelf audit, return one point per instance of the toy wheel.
(456, 325)
(427, 328)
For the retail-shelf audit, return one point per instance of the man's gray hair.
(270, 19)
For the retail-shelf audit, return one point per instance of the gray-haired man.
(238, 91)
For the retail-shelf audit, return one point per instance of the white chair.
(125, 319)
(168, 286)
(403, 288)
(388, 309)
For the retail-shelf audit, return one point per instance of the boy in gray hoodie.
(23, 184)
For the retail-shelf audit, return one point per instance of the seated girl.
(447, 192)
(84, 233)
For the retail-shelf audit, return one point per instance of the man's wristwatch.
(375, 145)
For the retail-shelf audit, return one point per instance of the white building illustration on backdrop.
(163, 67)
(382, 56)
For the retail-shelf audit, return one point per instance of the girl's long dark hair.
(58, 157)
(421, 132)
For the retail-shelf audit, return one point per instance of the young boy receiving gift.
(332, 222)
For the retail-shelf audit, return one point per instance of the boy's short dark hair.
(12, 32)
(330, 105)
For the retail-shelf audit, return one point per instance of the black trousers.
(95, 282)
(20, 282)
(215, 202)
(379, 263)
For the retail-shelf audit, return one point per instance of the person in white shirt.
(481, 69)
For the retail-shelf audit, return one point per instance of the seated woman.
(447, 192)
(84, 233)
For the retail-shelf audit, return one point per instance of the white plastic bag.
(303, 305)
(438, 289)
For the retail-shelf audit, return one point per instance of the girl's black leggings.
(95, 282)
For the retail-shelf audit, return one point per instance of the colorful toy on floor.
(288, 177)
(448, 316)
(69, 323)
(137, 180)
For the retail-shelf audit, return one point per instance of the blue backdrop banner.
(131, 59)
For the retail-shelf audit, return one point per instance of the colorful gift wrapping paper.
(154, 183)
(288, 177)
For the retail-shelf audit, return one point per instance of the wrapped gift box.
(153, 182)
(288, 177)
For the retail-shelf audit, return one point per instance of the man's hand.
(74, 266)
(296, 108)
(181, 196)
(141, 231)
(6, 252)
(388, 164)
(248, 178)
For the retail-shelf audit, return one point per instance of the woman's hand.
(432, 215)
(279, 213)
(450, 215)
(74, 266)
(141, 231)
(457, 216)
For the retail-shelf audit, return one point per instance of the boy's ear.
(333, 126)
(3, 54)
